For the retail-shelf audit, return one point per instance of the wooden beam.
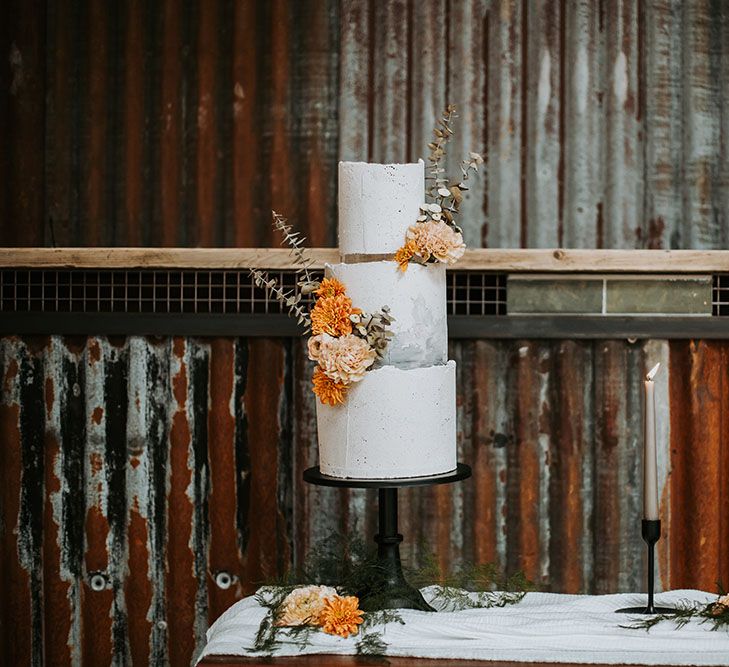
(159, 258)
(503, 261)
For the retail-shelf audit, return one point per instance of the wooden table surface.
(353, 661)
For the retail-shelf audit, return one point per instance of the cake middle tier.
(417, 301)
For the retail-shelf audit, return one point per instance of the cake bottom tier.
(394, 423)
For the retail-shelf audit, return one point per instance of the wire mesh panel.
(476, 293)
(91, 291)
(720, 300)
(198, 292)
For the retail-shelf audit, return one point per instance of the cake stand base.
(390, 590)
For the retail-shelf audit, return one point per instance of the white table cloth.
(543, 627)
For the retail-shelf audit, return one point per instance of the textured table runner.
(543, 627)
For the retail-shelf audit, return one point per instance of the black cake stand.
(393, 592)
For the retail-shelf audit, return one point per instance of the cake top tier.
(377, 204)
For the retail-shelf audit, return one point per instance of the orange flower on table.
(330, 315)
(330, 392)
(330, 287)
(341, 616)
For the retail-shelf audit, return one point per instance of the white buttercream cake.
(400, 420)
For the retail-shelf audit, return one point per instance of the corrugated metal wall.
(161, 462)
(182, 123)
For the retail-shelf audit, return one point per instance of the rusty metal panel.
(137, 470)
(603, 124)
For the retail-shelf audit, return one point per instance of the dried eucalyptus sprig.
(298, 251)
(446, 196)
(373, 328)
(443, 132)
(288, 299)
(291, 300)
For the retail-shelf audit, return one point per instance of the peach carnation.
(304, 606)
(314, 345)
(341, 616)
(435, 238)
(345, 359)
(330, 315)
(330, 392)
(330, 287)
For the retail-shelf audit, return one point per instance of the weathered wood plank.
(558, 260)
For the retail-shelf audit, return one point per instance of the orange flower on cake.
(304, 606)
(435, 238)
(330, 392)
(330, 315)
(405, 254)
(341, 616)
(344, 359)
(330, 287)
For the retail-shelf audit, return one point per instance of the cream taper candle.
(650, 462)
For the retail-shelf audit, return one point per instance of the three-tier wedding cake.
(400, 419)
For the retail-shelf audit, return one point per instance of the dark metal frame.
(279, 325)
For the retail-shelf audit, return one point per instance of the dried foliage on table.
(339, 568)
(715, 613)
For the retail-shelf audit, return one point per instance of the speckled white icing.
(377, 204)
(400, 420)
(417, 301)
(394, 423)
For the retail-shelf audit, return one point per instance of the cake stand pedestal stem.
(388, 588)
(393, 591)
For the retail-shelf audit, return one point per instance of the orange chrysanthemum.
(341, 616)
(330, 287)
(330, 392)
(331, 314)
(406, 253)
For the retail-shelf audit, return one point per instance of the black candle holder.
(651, 532)
(391, 590)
